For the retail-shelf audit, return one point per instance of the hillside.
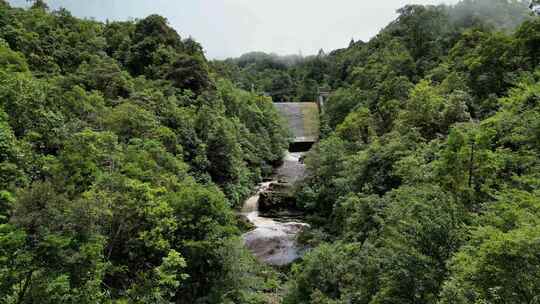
(121, 160)
(425, 187)
(125, 155)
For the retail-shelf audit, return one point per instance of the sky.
(230, 28)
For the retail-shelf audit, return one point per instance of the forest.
(125, 154)
(122, 158)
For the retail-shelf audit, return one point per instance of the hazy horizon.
(230, 28)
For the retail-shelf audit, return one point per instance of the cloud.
(229, 28)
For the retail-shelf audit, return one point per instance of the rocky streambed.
(273, 240)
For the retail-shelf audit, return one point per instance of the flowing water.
(273, 241)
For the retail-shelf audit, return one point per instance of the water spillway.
(303, 121)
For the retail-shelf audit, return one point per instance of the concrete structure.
(323, 97)
(303, 121)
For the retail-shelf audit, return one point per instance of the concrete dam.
(303, 121)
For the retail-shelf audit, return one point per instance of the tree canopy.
(423, 187)
(121, 160)
(124, 154)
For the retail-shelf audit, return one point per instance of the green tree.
(10, 156)
(129, 120)
(499, 264)
(528, 39)
(150, 34)
(60, 251)
(10, 60)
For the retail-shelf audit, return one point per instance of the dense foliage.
(284, 78)
(426, 35)
(121, 159)
(123, 153)
(426, 186)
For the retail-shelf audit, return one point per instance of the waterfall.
(273, 241)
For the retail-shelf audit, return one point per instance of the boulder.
(277, 202)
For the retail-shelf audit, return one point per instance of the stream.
(273, 240)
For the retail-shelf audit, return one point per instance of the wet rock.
(273, 240)
(276, 202)
(275, 244)
(280, 187)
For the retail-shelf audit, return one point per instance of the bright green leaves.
(422, 28)
(86, 156)
(11, 61)
(10, 155)
(481, 159)
(356, 217)
(149, 161)
(500, 264)
(129, 120)
(431, 165)
(104, 74)
(431, 113)
(341, 103)
(405, 238)
(468, 166)
(519, 131)
(14, 258)
(242, 134)
(168, 271)
(325, 163)
(83, 108)
(201, 213)
(328, 276)
(422, 110)
(489, 63)
(113, 186)
(48, 40)
(170, 274)
(421, 229)
(160, 53)
(62, 250)
(31, 110)
(6, 203)
(357, 127)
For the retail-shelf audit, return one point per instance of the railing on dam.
(303, 121)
